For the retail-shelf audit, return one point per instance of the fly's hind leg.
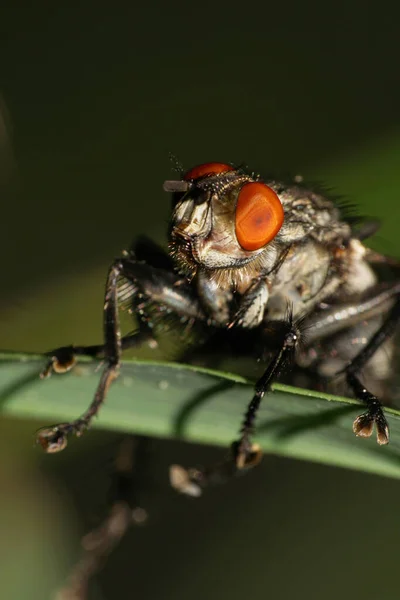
(348, 322)
(364, 423)
(150, 286)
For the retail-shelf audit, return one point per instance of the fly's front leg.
(55, 438)
(244, 452)
(149, 285)
(63, 359)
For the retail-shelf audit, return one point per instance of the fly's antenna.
(177, 166)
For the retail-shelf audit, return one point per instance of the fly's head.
(223, 218)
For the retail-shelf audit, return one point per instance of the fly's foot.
(186, 481)
(192, 481)
(246, 454)
(53, 439)
(363, 425)
(243, 456)
(61, 361)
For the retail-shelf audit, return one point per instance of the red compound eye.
(207, 169)
(259, 216)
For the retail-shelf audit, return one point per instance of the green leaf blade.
(199, 405)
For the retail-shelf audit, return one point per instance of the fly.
(276, 268)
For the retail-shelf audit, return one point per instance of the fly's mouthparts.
(180, 234)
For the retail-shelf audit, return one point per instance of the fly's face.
(222, 218)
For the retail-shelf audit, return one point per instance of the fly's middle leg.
(63, 359)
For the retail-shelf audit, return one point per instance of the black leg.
(244, 453)
(363, 424)
(63, 359)
(148, 286)
(54, 438)
(244, 449)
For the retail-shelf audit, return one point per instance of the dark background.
(94, 96)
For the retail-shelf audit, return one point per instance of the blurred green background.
(97, 95)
